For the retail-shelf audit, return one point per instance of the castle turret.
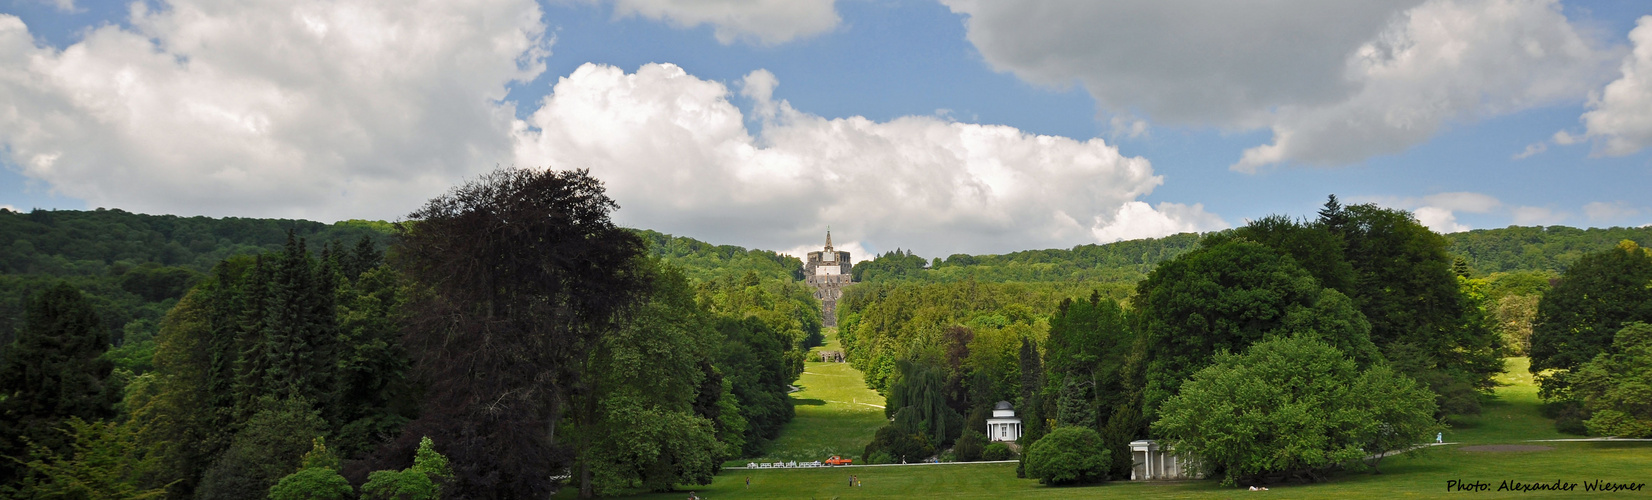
(828, 271)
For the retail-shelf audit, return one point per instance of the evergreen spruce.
(54, 371)
(1032, 382)
(1075, 406)
(1333, 217)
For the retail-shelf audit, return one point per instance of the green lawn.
(831, 420)
(836, 413)
(1423, 476)
(1510, 416)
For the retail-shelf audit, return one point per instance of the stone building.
(1004, 425)
(1151, 461)
(828, 271)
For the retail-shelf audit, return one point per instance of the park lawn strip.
(1510, 416)
(1421, 476)
(836, 413)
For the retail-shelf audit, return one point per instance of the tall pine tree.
(54, 371)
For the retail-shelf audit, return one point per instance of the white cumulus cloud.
(1620, 117)
(677, 155)
(1600, 211)
(1439, 211)
(307, 108)
(1439, 219)
(766, 22)
(1443, 61)
(1336, 81)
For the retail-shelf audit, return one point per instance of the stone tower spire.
(828, 240)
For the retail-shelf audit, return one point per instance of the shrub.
(997, 451)
(879, 458)
(271, 446)
(314, 483)
(900, 445)
(1615, 385)
(1294, 406)
(970, 445)
(1068, 455)
(422, 481)
(317, 480)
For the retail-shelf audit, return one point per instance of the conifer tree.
(54, 371)
(1032, 383)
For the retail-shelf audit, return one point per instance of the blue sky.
(952, 126)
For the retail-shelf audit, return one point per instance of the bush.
(271, 446)
(901, 446)
(314, 483)
(879, 458)
(997, 451)
(1614, 385)
(422, 481)
(318, 479)
(1294, 406)
(1068, 455)
(970, 445)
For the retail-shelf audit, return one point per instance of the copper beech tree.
(521, 270)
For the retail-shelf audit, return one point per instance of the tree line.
(1372, 295)
(508, 334)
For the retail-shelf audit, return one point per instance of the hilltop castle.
(828, 271)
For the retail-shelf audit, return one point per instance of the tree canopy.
(525, 270)
(1292, 406)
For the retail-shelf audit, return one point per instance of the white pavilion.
(1004, 425)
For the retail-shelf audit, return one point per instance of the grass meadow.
(834, 416)
(836, 413)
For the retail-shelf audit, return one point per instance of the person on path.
(1439, 437)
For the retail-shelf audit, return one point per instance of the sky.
(940, 127)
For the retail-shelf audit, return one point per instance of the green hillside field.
(1510, 418)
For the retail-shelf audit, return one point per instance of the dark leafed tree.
(523, 269)
(1032, 385)
(1576, 320)
(55, 370)
(1419, 316)
(1333, 218)
(1224, 297)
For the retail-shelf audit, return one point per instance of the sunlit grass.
(836, 413)
(1510, 418)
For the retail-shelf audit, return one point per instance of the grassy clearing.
(1422, 476)
(836, 413)
(1511, 415)
(836, 425)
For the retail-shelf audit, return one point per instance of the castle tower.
(828, 271)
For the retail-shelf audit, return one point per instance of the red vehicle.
(837, 460)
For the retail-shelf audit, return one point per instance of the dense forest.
(214, 358)
(1111, 343)
(241, 358)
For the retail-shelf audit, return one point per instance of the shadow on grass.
(808, 402)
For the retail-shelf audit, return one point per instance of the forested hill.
(134, 267)
(1551, 249)
(111, 242)
(703, 261)
(104, 241)
(1543, 249)
(1124, 261)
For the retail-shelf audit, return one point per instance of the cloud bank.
(1336, 82)
(310, 108)
(765, 22)
(1439, 211)
(332, 110)
(677, 154)
(1620, 117)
